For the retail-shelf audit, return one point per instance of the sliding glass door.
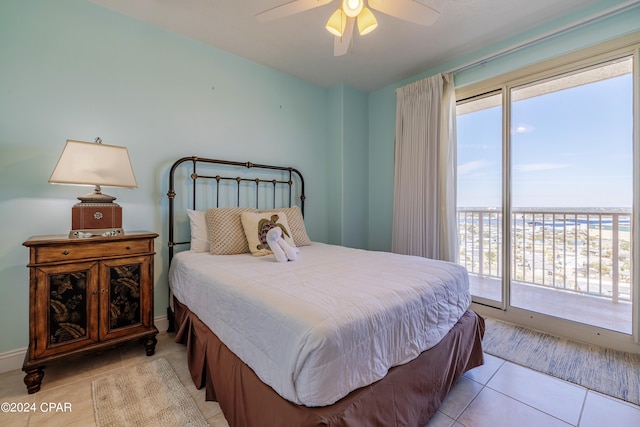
(571, 195)
(479, 195)
(545, 186)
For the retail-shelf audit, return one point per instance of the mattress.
(335, 320)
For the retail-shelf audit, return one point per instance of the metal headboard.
(216, 180)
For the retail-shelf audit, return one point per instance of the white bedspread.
(334, 320)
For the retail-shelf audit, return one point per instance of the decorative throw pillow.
(226, 235)
(199, 231)
(296, 222)
(257, 224)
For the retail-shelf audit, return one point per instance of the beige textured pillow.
(296, 222)
(251, 222)
(226, 235)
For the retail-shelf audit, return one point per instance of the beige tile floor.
(503, 394)
(496, 394)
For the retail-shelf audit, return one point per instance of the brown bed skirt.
(409, 395)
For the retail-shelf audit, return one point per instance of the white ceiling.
(300, 46)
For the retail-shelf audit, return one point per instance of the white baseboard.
(12, 360)
(162, 323)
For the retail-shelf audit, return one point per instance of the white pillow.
(199, 231)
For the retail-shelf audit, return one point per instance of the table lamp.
(95, 164)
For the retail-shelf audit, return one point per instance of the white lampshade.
(367, 21)
(87, 163)
(352, 8)
(337, 23)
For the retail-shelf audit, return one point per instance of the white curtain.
(424, 203)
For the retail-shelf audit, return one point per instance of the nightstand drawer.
(88, 250)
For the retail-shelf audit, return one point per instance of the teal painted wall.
(347, 129)
(382, 102)
(73, 70)
(382, 133)
(356, 171)
(335, 163)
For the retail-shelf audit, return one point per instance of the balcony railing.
(580, 251)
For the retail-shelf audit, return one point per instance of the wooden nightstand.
(86, 295)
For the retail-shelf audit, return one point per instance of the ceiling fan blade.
(290, 8)
(342, 44)
(407, 10)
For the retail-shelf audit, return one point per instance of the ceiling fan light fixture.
(367, 21)
(337, 23)
(352, 8)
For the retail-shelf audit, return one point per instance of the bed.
(339, 337)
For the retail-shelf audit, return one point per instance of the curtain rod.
(546, 36)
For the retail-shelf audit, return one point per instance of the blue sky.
(570, 148)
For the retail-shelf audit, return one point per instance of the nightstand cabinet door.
(66, 297)
(125, 299)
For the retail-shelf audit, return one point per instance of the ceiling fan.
(343, 21)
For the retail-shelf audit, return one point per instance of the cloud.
(535, 167)
(467, 168)
(524, 128)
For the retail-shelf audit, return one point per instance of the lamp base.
(96, 216)
(96, 232)
(96, 198)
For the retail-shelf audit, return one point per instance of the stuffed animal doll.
(280, 248)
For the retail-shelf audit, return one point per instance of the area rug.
(144, 395)
(610, 372)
